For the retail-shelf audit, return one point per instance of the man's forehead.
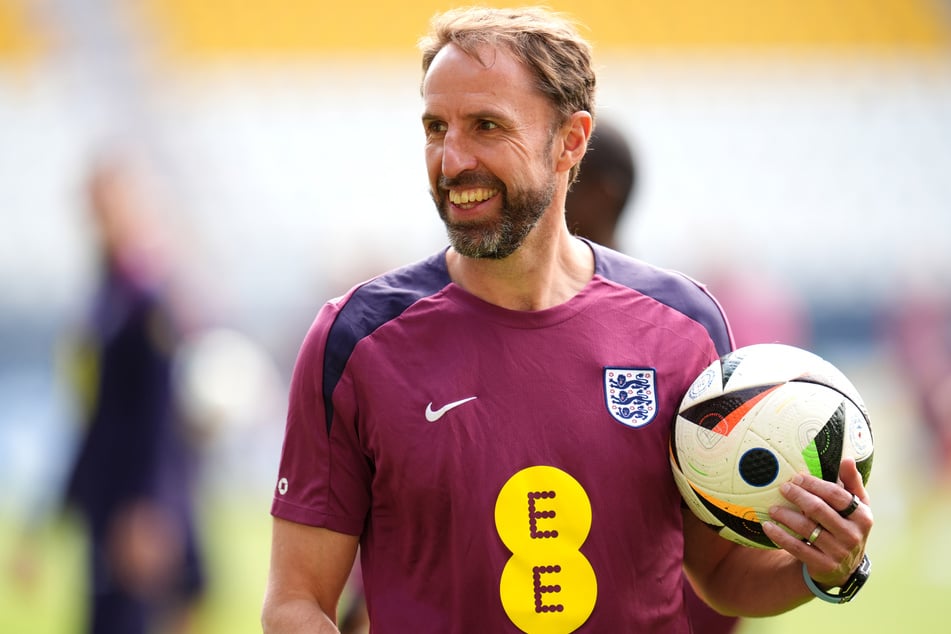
(495, 81)
(453, 65)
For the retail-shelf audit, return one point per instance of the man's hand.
(822, 531)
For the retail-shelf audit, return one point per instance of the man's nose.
(457, 154)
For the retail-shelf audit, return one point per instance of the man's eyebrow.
(478, 115)
(495, 115)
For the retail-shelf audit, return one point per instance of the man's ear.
(574, 137)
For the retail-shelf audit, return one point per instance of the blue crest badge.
(631, 395)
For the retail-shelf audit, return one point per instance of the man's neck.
(550, 267)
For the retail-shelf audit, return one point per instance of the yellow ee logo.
(543, 516)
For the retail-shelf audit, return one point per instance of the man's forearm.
(757, 583)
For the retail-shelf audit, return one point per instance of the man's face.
(488, 150)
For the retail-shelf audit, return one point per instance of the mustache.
(470, 179)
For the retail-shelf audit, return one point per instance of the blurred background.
(793, 154)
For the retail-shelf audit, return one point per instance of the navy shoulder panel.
(373, 304)
(670, 288)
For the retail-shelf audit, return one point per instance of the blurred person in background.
(594, 207)
(605, 187)
(450, 418)
(762, 309)
(919, 330)
(131, 483)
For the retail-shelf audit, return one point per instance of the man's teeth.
(471, 195)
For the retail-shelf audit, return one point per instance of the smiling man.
(459, 419)
(477, 128)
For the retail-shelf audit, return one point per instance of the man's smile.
(470, 196)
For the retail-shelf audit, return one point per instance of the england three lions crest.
(631, 395)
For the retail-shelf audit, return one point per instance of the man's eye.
(488, 125)
(435, 127)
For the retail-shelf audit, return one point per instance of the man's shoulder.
(640, 275)
(674, 289)
(382, 298)
(403, 285)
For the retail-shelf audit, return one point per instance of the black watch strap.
(848, 590)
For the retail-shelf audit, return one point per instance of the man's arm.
(753, 582)
(309, 567)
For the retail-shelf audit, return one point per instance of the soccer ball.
(752, 420)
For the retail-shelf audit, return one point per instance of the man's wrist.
(848, 590)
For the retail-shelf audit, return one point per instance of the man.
(132, 480)
(453, 417)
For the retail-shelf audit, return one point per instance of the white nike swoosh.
(433, 416)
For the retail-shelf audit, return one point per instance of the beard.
(494, 238)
